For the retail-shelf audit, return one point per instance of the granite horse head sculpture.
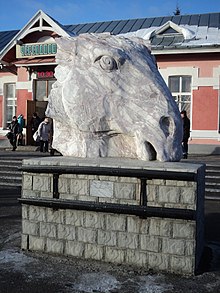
(110, 100)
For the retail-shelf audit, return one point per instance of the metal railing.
(142, 210)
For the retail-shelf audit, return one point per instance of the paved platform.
(5, 145)
(196, 147)
(204, 149)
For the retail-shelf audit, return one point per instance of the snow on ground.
(98, 282)
(16, 260)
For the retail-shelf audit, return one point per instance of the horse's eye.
(107, 63)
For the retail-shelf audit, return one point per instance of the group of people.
(43, 127)
(44, 130)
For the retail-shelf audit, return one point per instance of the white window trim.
(216, 78)
(4, 122)
(180, 71)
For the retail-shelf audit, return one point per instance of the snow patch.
(153, 284)
(14, 258)
(96, 282)
(105, 283)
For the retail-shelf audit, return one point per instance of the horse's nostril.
(167, 125)
(151, 151)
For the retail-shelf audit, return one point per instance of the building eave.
(188, 50)
(35, 62)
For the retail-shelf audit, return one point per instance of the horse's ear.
(66, 49)
(66, 43)
(140, 41)
(145, 43)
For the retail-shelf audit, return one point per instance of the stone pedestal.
(100, 209)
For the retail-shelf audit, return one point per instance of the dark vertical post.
(143, 192)
(56, 185)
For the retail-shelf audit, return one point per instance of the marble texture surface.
(110, 100)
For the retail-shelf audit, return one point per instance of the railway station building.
(186, 48)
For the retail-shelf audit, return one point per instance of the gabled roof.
(6, 37)
(192, 31)
(210, 20)
(170, 28)
(189, 32)
(39, 22)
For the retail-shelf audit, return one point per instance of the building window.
(180, 87)
(42, 89)
(10, 102)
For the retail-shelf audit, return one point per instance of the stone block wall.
(162, 244)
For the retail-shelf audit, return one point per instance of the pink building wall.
(22, 97)
(205, 103)
(205, 62)
(205, 109)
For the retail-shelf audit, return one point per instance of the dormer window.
(169, 31)
(170, 34)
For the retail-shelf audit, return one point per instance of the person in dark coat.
(14, 129)
(186, 133)
(35, 122)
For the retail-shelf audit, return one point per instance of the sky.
(16, 13)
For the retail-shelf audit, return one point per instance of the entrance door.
(31, 108)
(39, 108)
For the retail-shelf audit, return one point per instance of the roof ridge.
(142, 18)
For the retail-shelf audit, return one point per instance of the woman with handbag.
(44, 132)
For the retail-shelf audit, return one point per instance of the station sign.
(36, 50)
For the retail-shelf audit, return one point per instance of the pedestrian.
(35, 122)
(21, 126)
(186, 133)
(14, 129)
(44, 133)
